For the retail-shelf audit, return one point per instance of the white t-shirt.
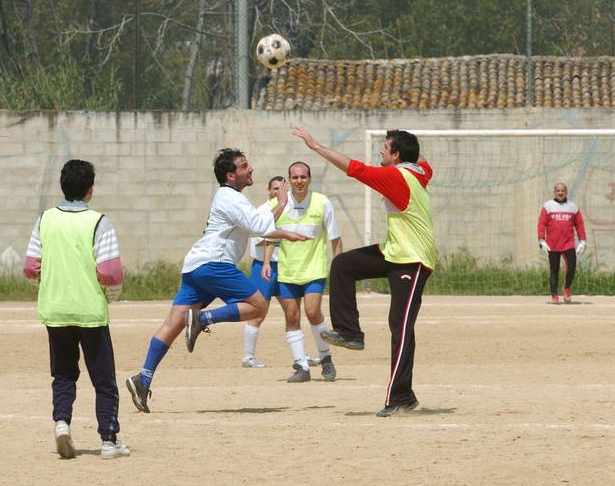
(232, 220)
(258, 252)
(105, 239)
(296, 210)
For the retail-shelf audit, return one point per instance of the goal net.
(488, 188)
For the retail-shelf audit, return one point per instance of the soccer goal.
(489, 185)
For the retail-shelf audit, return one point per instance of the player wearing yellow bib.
(74, 252)
(303, 268)
(406, 257)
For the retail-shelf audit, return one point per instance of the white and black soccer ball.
(273, 51)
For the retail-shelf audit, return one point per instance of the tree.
(179, 54)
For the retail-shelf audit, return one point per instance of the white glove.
(543, 246)
(581, 247)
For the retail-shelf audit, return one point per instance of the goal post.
(489, 185)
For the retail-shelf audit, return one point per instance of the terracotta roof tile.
(487, 81)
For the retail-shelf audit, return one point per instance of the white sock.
(296, 342)
(250, 335)
(323, 347)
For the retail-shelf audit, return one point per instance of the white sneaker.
(252, 362)
(109, 450)
(64, 442)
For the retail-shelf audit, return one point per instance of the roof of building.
(484, 81)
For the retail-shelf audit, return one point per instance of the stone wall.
(155, 179)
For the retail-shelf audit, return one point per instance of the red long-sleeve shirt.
(557, 223)
(388, 181)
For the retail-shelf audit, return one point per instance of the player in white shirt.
(210, 269)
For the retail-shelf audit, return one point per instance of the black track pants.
(99, 360)
(406, 282)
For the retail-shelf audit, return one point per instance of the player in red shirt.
(406, 258)
(559, 219)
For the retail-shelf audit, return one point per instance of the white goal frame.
(370, 134)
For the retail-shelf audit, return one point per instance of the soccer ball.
(273, 51)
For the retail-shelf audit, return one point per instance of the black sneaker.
(140, 393)
(393, 409)
(300, 375)
(328, 369)
(333, 337)
(193, 328)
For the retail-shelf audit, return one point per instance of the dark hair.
(225, 163)
(300, 163)
(76, 178)
(405, 143)
(273, 179)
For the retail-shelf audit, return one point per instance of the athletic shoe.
(140, 393)
(113, 450)
(567, 295)
(64, 442)
(312, 360)
(300, 375)
(193, 328)
(334, 337)
(554, 299)
(328, 369)
(393, 409)
(252, 362)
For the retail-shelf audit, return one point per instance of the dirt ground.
(512, 391)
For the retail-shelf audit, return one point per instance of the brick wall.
(155, 179)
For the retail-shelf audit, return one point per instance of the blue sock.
(155, 353)
(227, 313)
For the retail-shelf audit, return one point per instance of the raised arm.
(282, 200)
(338, 159)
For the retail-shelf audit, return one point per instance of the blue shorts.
(214, 280)
(268, 289)
(296, 291)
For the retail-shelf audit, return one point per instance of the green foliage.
(157, 281)
(464, 274)
(58, 87)
(459, 274)
(423, 28)
(17, 288)
(75, 55)
(574, 28)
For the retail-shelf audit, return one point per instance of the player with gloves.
(559, 219)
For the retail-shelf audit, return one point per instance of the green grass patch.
(464, 274)
(17, 288)
(461, 274)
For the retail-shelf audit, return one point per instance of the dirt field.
(513, 391)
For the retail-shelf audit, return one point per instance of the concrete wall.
(155, 180)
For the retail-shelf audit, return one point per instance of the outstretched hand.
(304, 135)
(281, 234)
(292, 236)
